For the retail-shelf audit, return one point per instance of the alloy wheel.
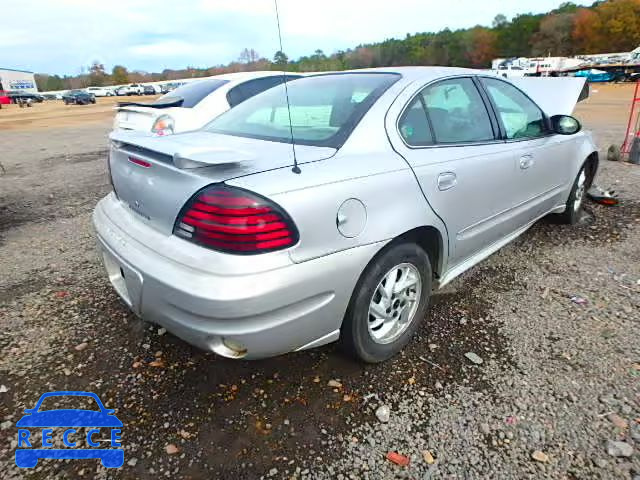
(394, 303)
(580, 187)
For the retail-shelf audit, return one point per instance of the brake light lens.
(164, 125)
(233, 220)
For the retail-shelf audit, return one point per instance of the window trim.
(495, 126)
(503, 131)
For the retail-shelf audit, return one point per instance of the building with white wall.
(17, 80)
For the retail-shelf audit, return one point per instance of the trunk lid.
(155, 176)
(136, 118)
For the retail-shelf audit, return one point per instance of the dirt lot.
(559, 378)
(55, 114)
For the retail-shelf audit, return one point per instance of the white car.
(100, 91)
(133, 89)
(195, 104)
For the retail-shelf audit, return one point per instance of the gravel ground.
(554, 317)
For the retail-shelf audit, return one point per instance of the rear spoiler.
(166, 104)
(187, 157)
(555, 95)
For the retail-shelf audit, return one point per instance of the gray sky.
(62, 35)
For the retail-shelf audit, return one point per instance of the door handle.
(526, 161)
(447, 180)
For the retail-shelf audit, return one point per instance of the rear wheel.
(388, 303)
(573, 209)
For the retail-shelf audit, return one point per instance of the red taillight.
(233, 220)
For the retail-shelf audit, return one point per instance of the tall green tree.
(97, 74)
(514, 37)
(280, 58)
(119, 75)
(54, 82)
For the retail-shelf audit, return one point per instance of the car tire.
(378, 325)
(575, 202)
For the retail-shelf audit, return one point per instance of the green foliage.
(119, 75)
(280, 58)
(97, 75)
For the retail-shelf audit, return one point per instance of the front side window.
(456, 112)
(520, 116)
(324, 109)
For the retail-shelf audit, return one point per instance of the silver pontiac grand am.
(405, 178)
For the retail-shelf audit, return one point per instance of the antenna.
(296, 168)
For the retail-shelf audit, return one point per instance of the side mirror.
(565, 125)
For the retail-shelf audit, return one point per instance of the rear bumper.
(281, 308)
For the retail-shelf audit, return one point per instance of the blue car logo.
(28, 453)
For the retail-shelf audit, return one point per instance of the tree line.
(605, 26)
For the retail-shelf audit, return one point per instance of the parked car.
(101, 91)
(5, 99)
(194, 104)
(133, 89)
(17, 96)
(151, 90)
(400, 180)
(78, 97)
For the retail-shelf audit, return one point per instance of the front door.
(542, 158)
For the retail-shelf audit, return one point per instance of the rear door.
(450, 138)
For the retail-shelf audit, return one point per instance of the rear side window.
(192, 93)
(414, 126)
(457, 112)
(520, 117)
(324, 109)
(251, 88)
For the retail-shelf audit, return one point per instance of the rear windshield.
(192, 93)
(324, 109)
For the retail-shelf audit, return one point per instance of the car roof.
(413, 73)
(241, 76)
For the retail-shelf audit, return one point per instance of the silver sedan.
(248, 244)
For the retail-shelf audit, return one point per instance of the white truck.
(131, 89)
